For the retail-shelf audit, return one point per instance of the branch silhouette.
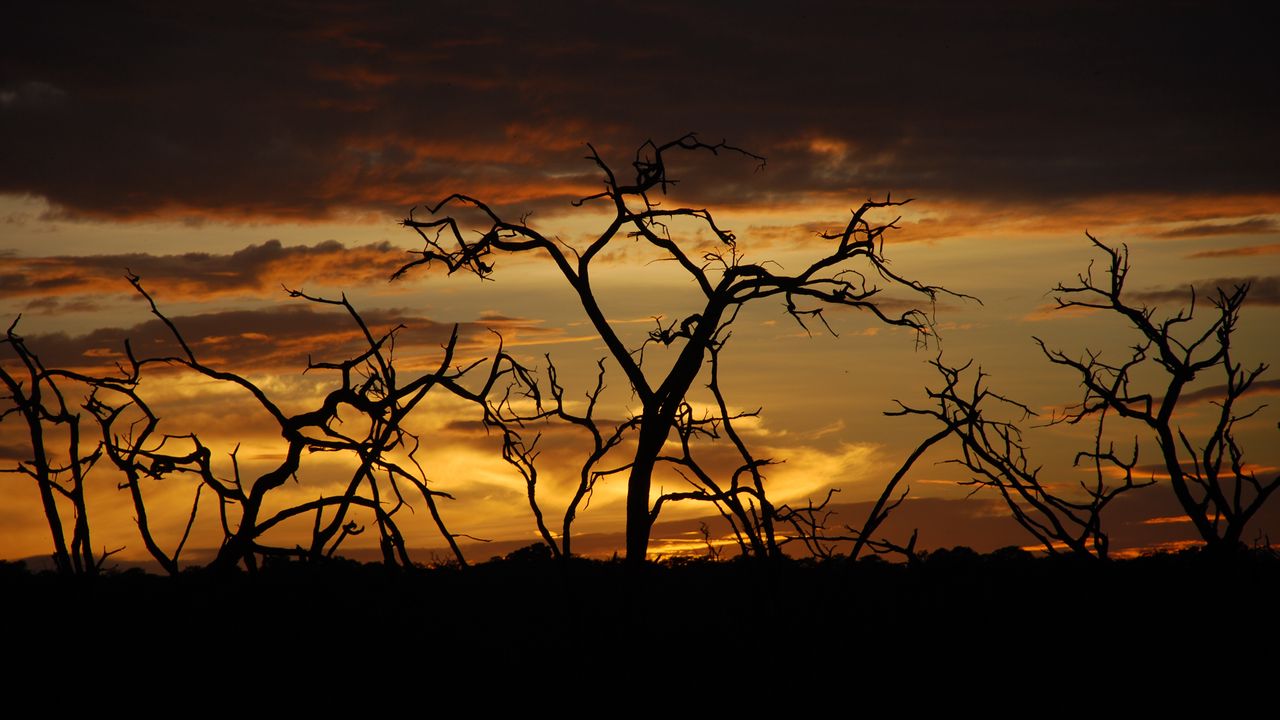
(386, 467)
(993, 452)
(847, 273)
(34, 395)
(1213, 484)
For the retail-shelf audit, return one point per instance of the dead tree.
(505, 414)
(384, 451)
(725, 281)
(526, 403)
(810, 523)
(741, 498)
(992, 450)
(33, 394)
(132, 442)
(1216, 489)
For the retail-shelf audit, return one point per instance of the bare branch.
(840, 276)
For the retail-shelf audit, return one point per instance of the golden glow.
(822, 396)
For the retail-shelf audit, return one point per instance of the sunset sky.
(222, 152)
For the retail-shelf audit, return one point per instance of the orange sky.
(224, 159)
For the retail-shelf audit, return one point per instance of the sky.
(226, 152)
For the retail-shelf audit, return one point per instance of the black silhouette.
(385, 452)
(42, 406)
(810, 522)
(725, 279)
(1210, 479)
(993, 451)
(752, 520)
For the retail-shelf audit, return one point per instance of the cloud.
(1053, 311)
(1218, 392)
(12, 453)
(255, 269)
(1144, 471)
(1254, 226)
(32, 95)
(51, 305)
(124, 113)
(1166, 520)
(1262, 290)
(280, 337)
(1134, 213)
(1272, 249)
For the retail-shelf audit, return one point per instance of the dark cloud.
(1217, 392)
(51, 305)
(1272, 249)
(292, 111)
(12, 453)
(283, 337)
(258, 269)
(33, 95)
(1244, 227)
(1262, 290)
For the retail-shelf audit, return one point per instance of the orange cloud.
(1217, 392)
(1252, 226)
(1053, 311)
(1142, 214)
(283, 337)
(255, 269)
(1272, 249)
(358, 77)
(1172, 519)
(1262, 290)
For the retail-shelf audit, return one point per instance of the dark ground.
(989, 618)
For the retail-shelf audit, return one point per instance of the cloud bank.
(380, 106)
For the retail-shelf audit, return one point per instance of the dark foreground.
(997, 616)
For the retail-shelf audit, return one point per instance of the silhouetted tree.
(1210, 479)
(810, 522)
(1216, 489)
(34, 396)
(514, 422)
(741, 499)
(133, 444)
(751, 521)
(993, 452)
(724, 279)
(384, 450)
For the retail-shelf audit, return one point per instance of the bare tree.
(724, 280)
(505, 414)
(1210, 479)
(751, 521)
(33, 394)
(810, 522)
(742, 499)
(1216, 489)
(993, 452)
(384, 450)
(132, 442)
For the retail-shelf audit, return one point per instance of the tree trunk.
(653, 434)
(44, 481)
(658, 418)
